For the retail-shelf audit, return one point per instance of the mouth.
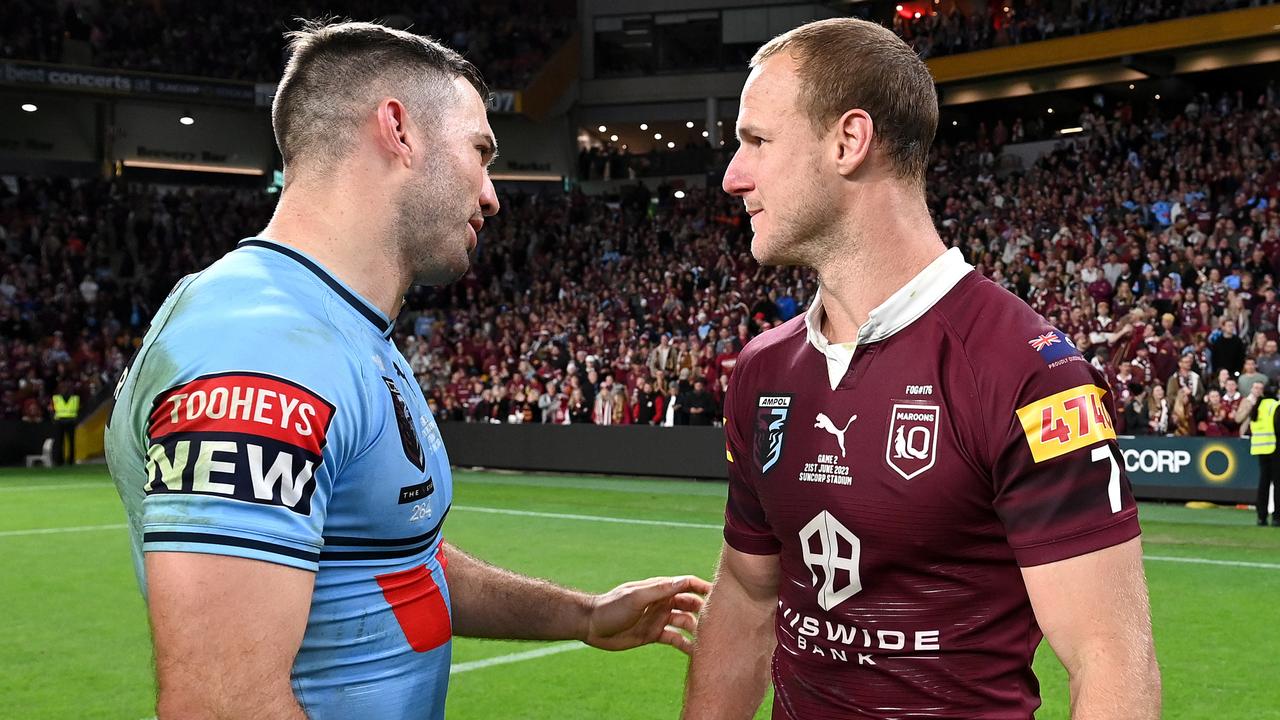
(754, 211)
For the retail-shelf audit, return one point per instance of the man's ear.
(854, 134)
(392, 131)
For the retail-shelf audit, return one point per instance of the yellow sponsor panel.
(1066, 421)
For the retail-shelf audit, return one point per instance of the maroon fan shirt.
(964, 439)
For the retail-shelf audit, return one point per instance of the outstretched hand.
(646, 611)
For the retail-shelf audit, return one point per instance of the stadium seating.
(244, 40)
(1180, 234)
(934, 30)
(508, 40)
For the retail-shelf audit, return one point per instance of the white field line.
(460, 668)
(66, 486)
(637, 521)
(1208, 561)
(55, 531)
(555, 649)
(588, 518)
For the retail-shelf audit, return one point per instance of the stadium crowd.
(239, 40)
(934, 29)
(1153, 243)
(506, 39)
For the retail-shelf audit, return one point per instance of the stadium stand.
(1154, 243)
(508, 40)
(933, 30)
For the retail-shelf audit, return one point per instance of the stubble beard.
(803, 237)
(430, 240)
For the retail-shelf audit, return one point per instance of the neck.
(875, 256)
(348, 235)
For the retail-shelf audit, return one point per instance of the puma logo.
(825, 423)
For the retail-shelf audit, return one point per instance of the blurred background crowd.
(1154, 244)
(506, 39)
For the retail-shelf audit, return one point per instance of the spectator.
(672, 402)
(1133, 412)
(650, 406)
(1228, 349)
(579, 408)
(1268, 362)
(1251, 374)
(549, 402)
(1182, 416)
(621, 411)
(700, 407)
(1185, 378)
(1159, 412)
(663, 357)
(1211, 418)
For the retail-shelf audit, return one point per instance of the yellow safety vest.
(1262, 432)
(66, 408)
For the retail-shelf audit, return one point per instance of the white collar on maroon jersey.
(901, 309)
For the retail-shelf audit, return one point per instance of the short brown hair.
(845, 63)
(338, 70)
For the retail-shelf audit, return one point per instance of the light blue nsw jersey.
(268, 416)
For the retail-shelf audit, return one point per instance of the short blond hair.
(845, 63)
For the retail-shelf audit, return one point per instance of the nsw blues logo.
(771, 423)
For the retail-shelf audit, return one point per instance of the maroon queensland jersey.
(964, 439)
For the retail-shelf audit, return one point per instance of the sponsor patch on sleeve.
(1066, 421)
(247, 436)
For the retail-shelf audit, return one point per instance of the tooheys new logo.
(771, 424)
(245, 436)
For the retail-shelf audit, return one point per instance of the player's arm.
(1072, 522)
(490, 602)
(1096, 615)
(729, 673)
(226, 631)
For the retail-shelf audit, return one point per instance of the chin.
(443, 271)
(765, 250)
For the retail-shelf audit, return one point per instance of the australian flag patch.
(1053, 347)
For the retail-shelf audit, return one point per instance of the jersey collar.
(381, 322)
(902, 308)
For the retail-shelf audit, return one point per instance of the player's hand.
(645, 611)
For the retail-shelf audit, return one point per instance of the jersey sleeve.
(242, 453)
(746, 529)
(1060, 485)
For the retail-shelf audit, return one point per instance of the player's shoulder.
(1000, 333)
(771, 345)
(256, 312)
(256, 285)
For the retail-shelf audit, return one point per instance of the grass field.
(74, 642)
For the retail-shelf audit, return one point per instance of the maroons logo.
(913, 439)
(771, 424)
